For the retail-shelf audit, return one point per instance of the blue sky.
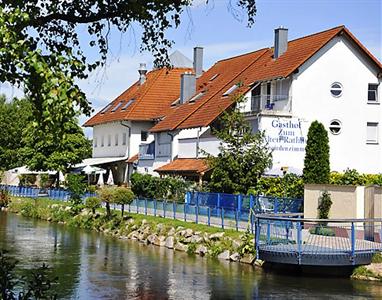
(215, 28)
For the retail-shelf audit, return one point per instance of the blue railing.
(287, 239)
(33, 192)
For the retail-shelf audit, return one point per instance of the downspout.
(172, 139)
(198, 141)
(126, 175)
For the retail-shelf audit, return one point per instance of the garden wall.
(348, 201)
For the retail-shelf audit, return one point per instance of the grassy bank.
(173, 234)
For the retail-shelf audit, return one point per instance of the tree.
(40, 50)
(106, 195)
(243, 157)
(316, 162)
(123, 196)
(14, 116)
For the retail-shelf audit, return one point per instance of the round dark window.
(336, 89)
(335, 127)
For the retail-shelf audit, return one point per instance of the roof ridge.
(296, 39)
(206, 100)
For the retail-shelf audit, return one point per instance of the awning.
(94, 161)
(186, 166)
(133, 159)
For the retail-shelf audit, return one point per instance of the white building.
(122, 127)
(328, 76)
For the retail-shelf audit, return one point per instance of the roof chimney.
(281, 41)
(187, 86)
(142, 73)
(198, 61)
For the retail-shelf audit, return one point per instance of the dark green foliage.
(106, 195)
(324, 205)
(247, 245)
(322, 230)
(37, 285)
(77, 187)
(4, 198)
(93, 203)
(290, 185)
(316, 163)
(14, 116)
(27, 179)
(243, 157)
(123, 196)
(377, 258)
(150, 187)
(44, 180)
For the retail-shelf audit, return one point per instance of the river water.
(90, 265)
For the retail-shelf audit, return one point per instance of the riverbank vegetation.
(172, 234)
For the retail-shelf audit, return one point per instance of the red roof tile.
(134, 158)
(185, 165)
(247, 69)
(152, 99)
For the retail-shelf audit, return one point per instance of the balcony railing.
(271, 103)
(147, 151)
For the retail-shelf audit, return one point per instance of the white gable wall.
(340, 62)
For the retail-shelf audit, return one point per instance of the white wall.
(312, 100)
(115, 130)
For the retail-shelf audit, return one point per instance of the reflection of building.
(328, 76)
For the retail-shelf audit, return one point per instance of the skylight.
(117, 106)
(230, 90)
(196, 97)
(128, 103)
(106, 109)
(214, 77)
(176, 102)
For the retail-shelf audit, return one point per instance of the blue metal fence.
(33, 192)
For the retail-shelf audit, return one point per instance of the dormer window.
(176, 102)
(128, 103)
(106, 109)
(196, 97)
(214, 77)
(117, 106)
(230, 90)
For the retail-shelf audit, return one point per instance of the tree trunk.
(108, 209)
(122, 210)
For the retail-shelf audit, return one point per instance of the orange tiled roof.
(185, 165)
(247, 69)
(132, 159)
(152, 99)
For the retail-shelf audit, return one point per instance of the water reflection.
(92, 266)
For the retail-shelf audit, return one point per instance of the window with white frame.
(102, 141)
(124, 138)
(372, 93)
(116, 139)
(144, 136)
(109, 140)
(95, 142)
(335, 127)
(372, 133)
(336, 89)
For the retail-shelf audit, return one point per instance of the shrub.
(325, 203)
(316, 162)
(44, 180)
(247, 245)
(290, 185)
(322, 230)
(377, 258)
(123, 196)
(4, 198)
(107, 195)
(76, 186)
(93, 203)
(27, 179)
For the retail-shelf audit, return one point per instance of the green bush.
(77, 187)
(44, 180)
(123, 196)
(4, 198)
(290, 185)
(322, 230)
(107, 195)
(27, 179)
(151, 187)
(93, 203)
(352, 177)
(316, 162)
(377, 258)
(324, 205)
(247, 245)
